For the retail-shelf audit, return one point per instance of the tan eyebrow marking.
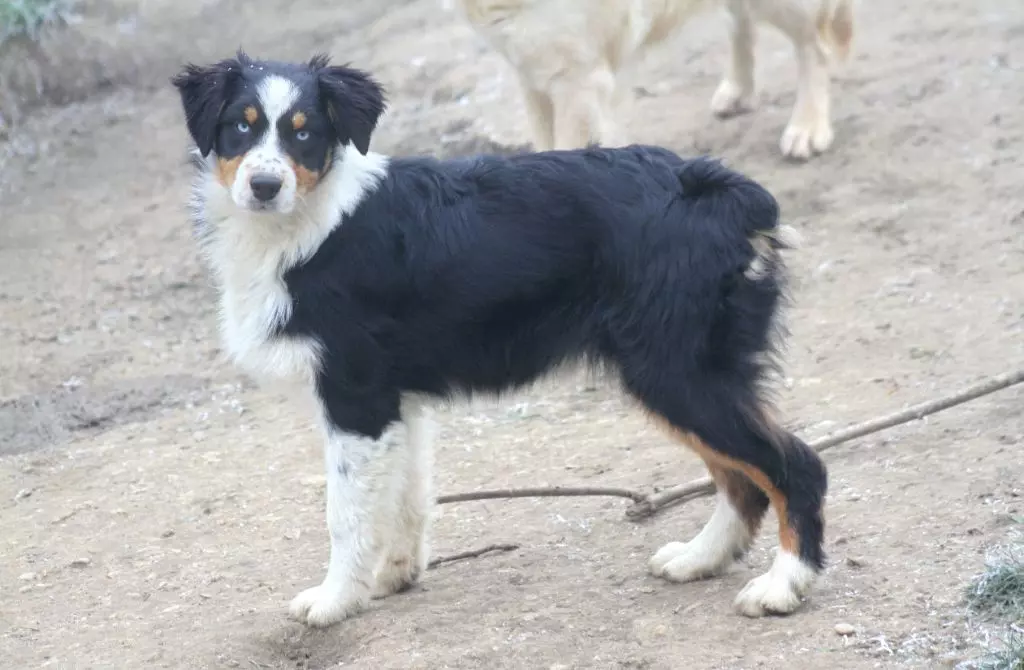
(298, 120)
(251, 115)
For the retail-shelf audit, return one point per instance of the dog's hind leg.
(739, 508)
(738, 437)
(719, 414)
(408, 550)
(736, 94)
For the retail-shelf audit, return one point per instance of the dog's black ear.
(354, 101)
(204, 91)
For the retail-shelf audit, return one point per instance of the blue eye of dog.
(302, 135)
(242, 127)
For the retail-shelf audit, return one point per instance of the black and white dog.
(385, 283)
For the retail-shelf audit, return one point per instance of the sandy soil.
(159, 511)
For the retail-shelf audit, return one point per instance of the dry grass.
(999, 591)
(1009, 657)
(998, 594)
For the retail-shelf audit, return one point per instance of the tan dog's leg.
(810, 127)
(736, 93)
(583, 109)
(540, 114)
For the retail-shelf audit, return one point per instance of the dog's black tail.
(740, 226)
(732, 198)
(739, 209)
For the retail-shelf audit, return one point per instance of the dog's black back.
(481, 275)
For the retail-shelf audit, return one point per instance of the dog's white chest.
(255, 304)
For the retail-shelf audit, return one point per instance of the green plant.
(29, 17)
(999, 591)
(1009, 657)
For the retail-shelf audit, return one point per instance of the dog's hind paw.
(686, 562)
(778, 591)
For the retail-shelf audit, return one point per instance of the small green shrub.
(1009, 657)
(29, 17)
(999, 591)
(998, 594)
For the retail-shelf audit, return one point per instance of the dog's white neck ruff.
(249, 253)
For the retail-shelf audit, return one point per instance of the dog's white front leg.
(361, 504)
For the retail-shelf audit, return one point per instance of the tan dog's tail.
(835, 25)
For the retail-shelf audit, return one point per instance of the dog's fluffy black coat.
(483, 274)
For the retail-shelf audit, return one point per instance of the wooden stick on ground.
(476, 553)
(543, 492)
(647, 505)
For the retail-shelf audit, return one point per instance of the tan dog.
(567, 54)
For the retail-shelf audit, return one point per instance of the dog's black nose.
(264, 186)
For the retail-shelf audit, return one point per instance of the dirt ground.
(157, 510)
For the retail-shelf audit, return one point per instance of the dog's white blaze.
(710, 552)
(779, 590)
(250, 252)
(276, 96)
(377, 517)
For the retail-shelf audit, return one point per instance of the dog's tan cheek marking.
(305, 179)
(227, 168)
(298, 121)
(251, 115)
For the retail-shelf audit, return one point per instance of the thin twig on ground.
(647, 505)
(476, 553)
(543, 492)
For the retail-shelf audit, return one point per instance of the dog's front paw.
(803, 138)
(322, 606)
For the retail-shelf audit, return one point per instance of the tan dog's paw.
(732, 100)
(801, 140)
